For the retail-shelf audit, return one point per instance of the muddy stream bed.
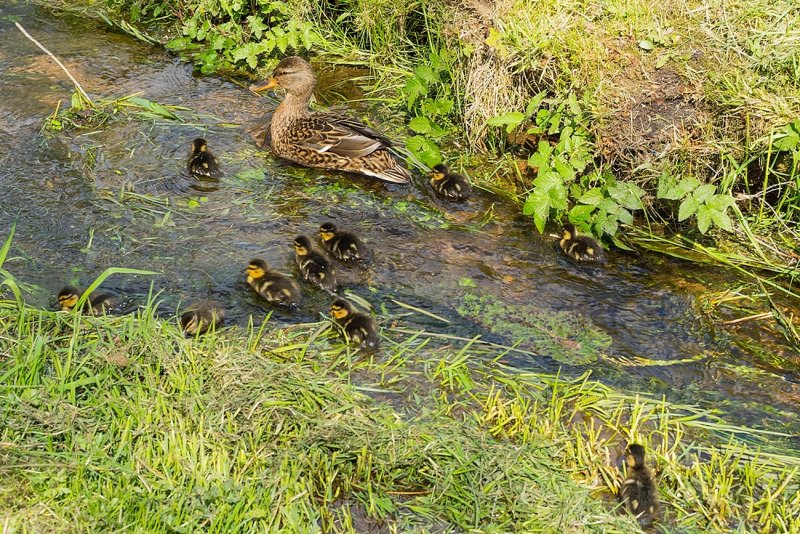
(118, 195)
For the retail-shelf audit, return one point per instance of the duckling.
(315, 268)
(580, 248)
(639, 492)
(272, 285)
(201, 317)
(358, 327)
(97, 303)
(202, 162)
(450, 185)
(344, 246)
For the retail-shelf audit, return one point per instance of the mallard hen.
(324, 140)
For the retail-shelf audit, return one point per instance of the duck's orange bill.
(264, 85)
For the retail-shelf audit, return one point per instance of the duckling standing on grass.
(580, 248)
(202, 162)
(638, 490)
(324, 140)
(450, 185)
(358, 327)
(275, 287)
(315, 268)
(201, 317)
(97, 303)
(344, 246)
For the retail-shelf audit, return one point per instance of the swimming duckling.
(344, 246)
(580, 248)
(358, 327)
(202, 162)
(315, 268)
(450, 185)
(275, 287)
(638, 490)
(200, 317)
(97, 303)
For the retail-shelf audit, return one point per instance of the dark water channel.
(118, 195)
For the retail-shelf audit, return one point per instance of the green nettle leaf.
(541, 208)
(667, 188)
(437, 106)
(624, 216)
(558, 196)
(420, 125)
(580, 213)
(424, 149)
(539, 161)
(686, 185)
(720, 202)
(687, 208)
(592, 197)
(789, 137)
(627, 194)
(529, 205)
(257, 26)
(547, 181)
(704, 192)
(564, 169)
(427, 74)
(722, 220)
(609, 205)
(534, 103)
(610, 226)
(414, 89)
(510, 120)
(704, 218)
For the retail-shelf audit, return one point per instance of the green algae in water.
(566, 337)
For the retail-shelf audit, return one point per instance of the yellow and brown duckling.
(580, 248)
(275, 287)
(202, 162)
(449, 185)
(325, 140)
(201, 317)
(638, 491)
(343, 246)
(97, 303)
(315, 268)
(358, 327)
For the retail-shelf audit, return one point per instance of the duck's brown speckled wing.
(336, 134)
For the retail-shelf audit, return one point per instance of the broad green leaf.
(703, 218)
(420, 125)
(704, 192)
(437, 106)
(720, 202)
(624, 216)
(534, 103)
(646, 44)
(687, 208)
(592, 197)
(580, 213)
(510, 120)
(541, 210)
(564, 169)
(414, 88)
(546, 181)
(558, 197)
(424, 149)
(722, 220)
(627, 194)
(257, 25)
(427, 74)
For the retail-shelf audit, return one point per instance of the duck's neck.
(293, 107)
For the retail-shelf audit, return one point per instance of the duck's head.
(256, 268)
(440, 172)
(68, 297)
(634, 456)
(293, 73)
(190, 322)
(327, 231)
(569, 231)
(199, 145)
(302, 245)
(340, 309)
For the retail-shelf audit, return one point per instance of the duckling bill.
(449, 185)
(273, 286)
(202, 162)
(580, 248)
(358, 327)
(314, 267)
(97, 303)
(344, 246)
(201, 317)
(639, 492)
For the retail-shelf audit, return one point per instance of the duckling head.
(569, 232)
(199, 145)
(293, 73)
(256, 268)
(440, 172)
(634, 456)
(68, 297)
(327, 231)
(340, 309)
(190, 322)
(302, 245)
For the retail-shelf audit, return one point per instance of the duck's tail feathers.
(396, 175)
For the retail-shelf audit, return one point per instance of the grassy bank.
(122, 423)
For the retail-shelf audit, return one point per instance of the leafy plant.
(229, 35)
(429, 101)
(697, 199)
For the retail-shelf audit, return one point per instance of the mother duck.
(325, 140)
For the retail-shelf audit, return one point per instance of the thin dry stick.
(54, 58)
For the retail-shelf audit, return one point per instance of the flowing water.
(117, 194)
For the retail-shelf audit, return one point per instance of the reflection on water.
(119, 195)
